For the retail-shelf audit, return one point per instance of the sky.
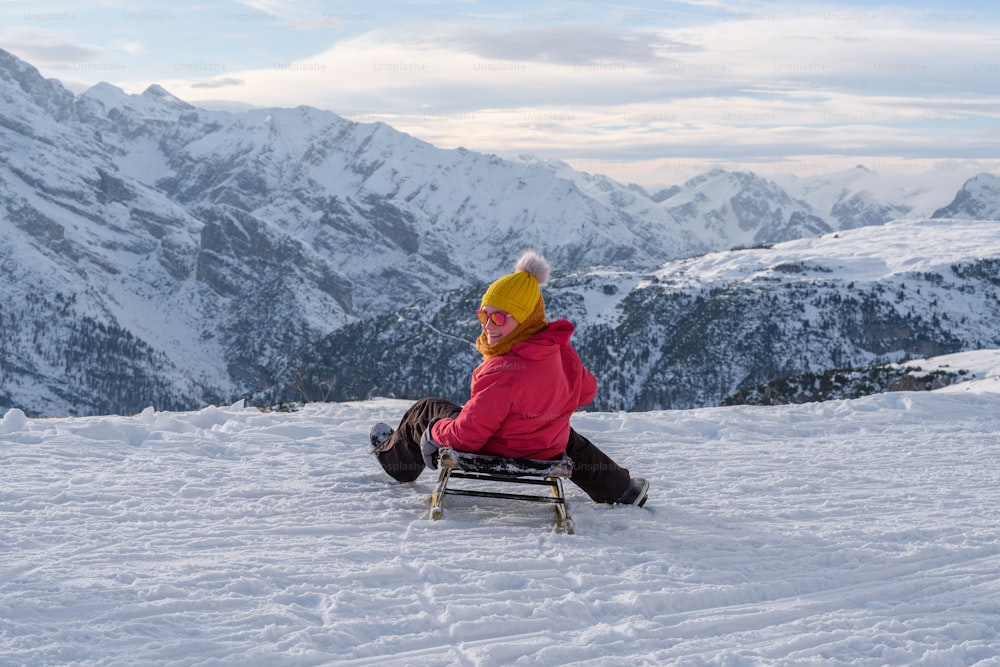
(641, 91)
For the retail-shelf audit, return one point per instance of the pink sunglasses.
(498, 318)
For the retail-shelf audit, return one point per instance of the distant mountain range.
(159, 254)
(719, 328)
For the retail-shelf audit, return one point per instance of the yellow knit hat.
(518, 293)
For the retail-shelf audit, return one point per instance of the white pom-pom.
(533, 263)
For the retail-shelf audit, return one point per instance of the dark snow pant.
(593, 470)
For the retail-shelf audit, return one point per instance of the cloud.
(568, 45)
(224, 82)
(272, 7)
(43, 50)
(635, 85)
(742, 86)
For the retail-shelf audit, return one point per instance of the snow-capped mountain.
(741, 209)
(979, 199)
(855, 198)
(698, 331)
(862, 195)
(155, 253)
(145, 238)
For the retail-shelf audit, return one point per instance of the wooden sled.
(462, 465)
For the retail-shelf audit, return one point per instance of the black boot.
(635, 494)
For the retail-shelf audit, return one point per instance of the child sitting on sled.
(530, 382)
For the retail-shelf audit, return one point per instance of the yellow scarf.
(525, 330)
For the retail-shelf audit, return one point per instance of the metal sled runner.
(462, 465)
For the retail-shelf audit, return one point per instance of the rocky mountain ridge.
(701, 331)
(159, 254)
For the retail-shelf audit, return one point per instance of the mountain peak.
(159, 92)
(108, 95)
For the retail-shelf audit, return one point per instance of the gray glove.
(429, 448)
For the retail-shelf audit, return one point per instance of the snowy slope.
(856, 532)
(898, 248)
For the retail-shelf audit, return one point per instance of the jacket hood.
(547, 341)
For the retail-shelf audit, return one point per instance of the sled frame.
(529, 472)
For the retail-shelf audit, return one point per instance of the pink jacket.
(521, 402)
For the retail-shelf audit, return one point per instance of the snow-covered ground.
(863, 532)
